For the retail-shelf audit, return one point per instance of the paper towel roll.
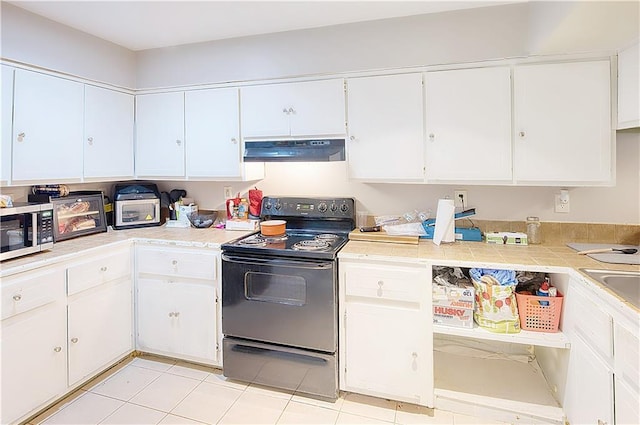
(445, 227)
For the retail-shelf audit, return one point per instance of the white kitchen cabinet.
(386, 128)
(47, 128)
(385, 328)
(34, 334)
(178, 313)
(468, 122)
(629, 87)
(160, 143)
(108, 134)
(7, 123)
(627, 372)
(562, 123)
(589, 396)
(212, 132)
(100, 313)
(314, 108)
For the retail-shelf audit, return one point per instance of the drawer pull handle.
(171, 314)
(17, 297)
(176, 314)
(174, 262)
(57, 349)
(103, 269)
(380, 283)
(74, 340)
(414, 355)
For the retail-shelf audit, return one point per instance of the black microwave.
(25, 228)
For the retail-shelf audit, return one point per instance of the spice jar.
(533, 230)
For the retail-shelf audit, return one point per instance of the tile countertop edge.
(380, 251)
(68, 250)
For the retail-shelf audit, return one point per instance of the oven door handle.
(277, 262)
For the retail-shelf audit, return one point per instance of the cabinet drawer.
(390, 283)
(592, 323)
(97, 271)
(176, 262)
(30, 290)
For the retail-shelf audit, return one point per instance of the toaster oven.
(136, 205)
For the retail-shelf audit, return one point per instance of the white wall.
(459, 36)
(618, 204)
(34, 40)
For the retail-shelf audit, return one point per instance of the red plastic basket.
(540, 314)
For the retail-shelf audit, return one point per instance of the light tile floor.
(150, 390)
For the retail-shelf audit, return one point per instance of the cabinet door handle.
(432, 137)
(179, 142)
(380, 283)
(174, 262)
(522, 134)
(352, 138)
(103, 268)
(57, 349)
(285, 110)
(171, 314)
(21, 137)
(17, 297)
(90, 140)
(176, 314)
(414, 355)
(292, 111)
(74, 340)
(234, 140)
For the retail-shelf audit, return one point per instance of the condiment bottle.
(533, 230)
(243, 209)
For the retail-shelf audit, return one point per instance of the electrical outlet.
(562, 206)
(460, 199)
(227, 192)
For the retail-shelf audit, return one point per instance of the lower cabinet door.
(100, 328)
(385, 354)
(627, 408)
(34, 360)
(589, 391)
(178, 318)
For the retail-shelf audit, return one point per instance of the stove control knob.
(268, 205)
(333, 208)
(344, 208)
(278, 205)
(322, 207)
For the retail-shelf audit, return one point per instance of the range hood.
(316, 150)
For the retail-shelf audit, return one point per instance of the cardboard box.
(453, 306)
(507, 238)
(242, 225)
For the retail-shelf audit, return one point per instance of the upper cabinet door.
(47, 128)
(160, 144)
(386, 128)
(629, 87)
(212, 130)
(468, 122)
(311, 108)
(108, 131)
(318, 108)
(562, 116)
(7, 123)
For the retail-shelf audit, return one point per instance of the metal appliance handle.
(277, 262)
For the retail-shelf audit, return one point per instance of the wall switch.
(227, 192)
(460, 199)
(562, 204)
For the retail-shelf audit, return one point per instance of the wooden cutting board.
(382, 236)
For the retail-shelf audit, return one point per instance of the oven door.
(284, 301)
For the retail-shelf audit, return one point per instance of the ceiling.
(140, 25)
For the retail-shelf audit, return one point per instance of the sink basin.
(625, 284)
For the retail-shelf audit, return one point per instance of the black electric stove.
(316, 228)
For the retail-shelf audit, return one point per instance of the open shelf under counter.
(504, 389)
(542, 339)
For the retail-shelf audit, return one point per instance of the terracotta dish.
(272, 227)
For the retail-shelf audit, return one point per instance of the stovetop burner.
(311, 245)
(260, 240)
(327, 236)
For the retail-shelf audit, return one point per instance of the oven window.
(275, 288)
